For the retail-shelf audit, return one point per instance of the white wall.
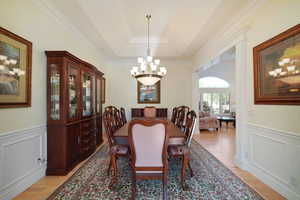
(23, 130)
(270, 134)
(33, 21)
(175, 86)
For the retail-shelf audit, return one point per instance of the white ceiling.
(178, 27)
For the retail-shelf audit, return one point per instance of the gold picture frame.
(15, 70)
(277, 69)
(148, 94)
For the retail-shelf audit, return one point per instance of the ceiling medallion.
(148, 72)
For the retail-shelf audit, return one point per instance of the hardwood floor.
(222, 145)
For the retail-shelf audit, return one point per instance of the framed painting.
(102, 90)
(277, 69)
(148, 94)
(15, 70)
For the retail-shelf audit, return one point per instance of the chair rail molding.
(23, 155)
(273, 156)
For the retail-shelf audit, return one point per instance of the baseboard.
(271, 154)
(22, 160)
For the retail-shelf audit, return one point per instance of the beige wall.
(175, 86)
(34, 22)
(271, 19)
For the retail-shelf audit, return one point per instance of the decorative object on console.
(277, 69)
(149, 71)
(15, 70)
(148, 94)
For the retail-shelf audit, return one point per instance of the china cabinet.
(74, 111)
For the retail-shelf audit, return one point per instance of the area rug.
(211, 181)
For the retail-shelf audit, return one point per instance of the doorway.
(217, 107)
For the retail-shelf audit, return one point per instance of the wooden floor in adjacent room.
(222, 145)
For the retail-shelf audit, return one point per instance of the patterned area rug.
(211, 181)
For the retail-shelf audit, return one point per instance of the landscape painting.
(148, 94)
(277, 69)
(9, 63)
(15, 70)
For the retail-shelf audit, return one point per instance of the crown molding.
(236, 29)
(51, 10)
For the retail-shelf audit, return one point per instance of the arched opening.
(214, 95)
(212, 82)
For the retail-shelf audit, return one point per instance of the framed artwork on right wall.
(277, 69)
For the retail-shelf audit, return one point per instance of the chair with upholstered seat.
(148, 141)
(150, 112)
(116, 150)
(183, 151)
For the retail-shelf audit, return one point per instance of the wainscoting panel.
(274, 157)
(22, 160)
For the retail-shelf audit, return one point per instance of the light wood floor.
(222, 145)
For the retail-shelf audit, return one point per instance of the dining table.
(176, 135)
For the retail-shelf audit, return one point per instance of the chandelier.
(148, 72)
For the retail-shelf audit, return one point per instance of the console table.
(139, 112)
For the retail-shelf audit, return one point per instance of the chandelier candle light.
(149, 72)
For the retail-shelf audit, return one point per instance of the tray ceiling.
(178, 28)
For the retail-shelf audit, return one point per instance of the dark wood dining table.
(176, 136)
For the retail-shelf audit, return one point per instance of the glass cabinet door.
(73, 92)
(86, 94)
(94, 94)
(98, 96)
(54, 92)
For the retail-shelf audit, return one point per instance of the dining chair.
(148, 140)
(150, 112)
(115, 150)
(183, 151)
(123, 115)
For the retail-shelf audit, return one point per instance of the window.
(216, 103)
(212, 82)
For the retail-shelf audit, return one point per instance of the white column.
(195, 98)
(241, 102)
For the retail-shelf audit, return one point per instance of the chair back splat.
(189, 128)
(109, 127)
(123, 115)
(174, 115)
